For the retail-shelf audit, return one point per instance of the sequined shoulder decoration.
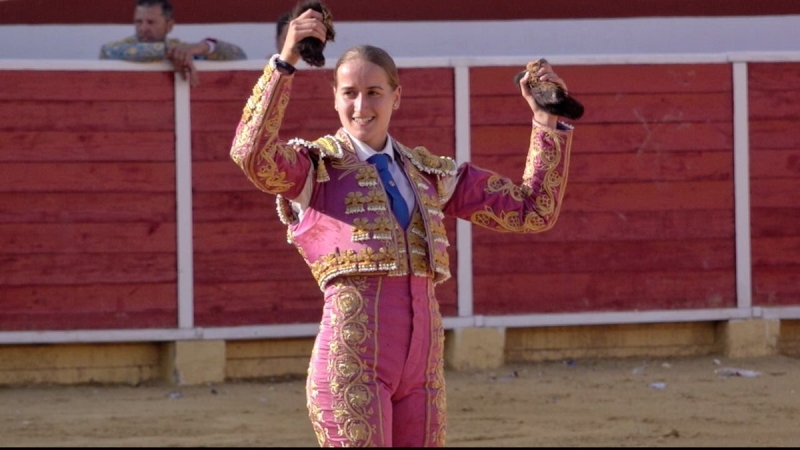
(328, 146)
(429, 163)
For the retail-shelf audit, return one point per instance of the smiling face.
(365, 100)
(151, 24)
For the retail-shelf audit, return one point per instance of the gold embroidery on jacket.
(429, 163)
(396, 257)
(377, 200)
(271, 177)
(361, 229)
(418, 246)
(354, 202)
(499, 184)
(367, 177)
(544, 159)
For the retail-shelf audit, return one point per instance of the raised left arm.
(493, 201)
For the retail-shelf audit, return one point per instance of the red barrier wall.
(647, 222)
(774, 97)
(88, 201)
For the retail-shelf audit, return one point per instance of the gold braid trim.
(327, 146)
(429, 163)
(549, 158)
(509, 221)
(262, 117)
(544, 160)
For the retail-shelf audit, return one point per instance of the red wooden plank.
(777, 252)
(775, 163)
(250, 204)
(610, 226)
(257, 303)
(75, 322)
(611, 137)
(88, 268)
(265, 294)
(773, 222)
(54, 85)
(776, 286)
(775, 193)
(46, 146)
(619, 108)
(228, 85)
(87, 177)
(80, 237)
(246, 265)
(661, 196)
(774, 134)
(774, 105)
(253, 236)
(86, 207)
(772, 76)
(258, 317)
(213, 145)
(613, 79)
(619, 256)
(661, 289)
(219, 176)
(91, 298)
(82, 116)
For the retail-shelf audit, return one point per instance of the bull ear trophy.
(311, 49)
(550, 96)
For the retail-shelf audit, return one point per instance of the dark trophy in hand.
(551, 97)
(311, 48)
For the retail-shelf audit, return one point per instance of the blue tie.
(399, 206)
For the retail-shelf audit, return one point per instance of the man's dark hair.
(166, 6)
(282, 22)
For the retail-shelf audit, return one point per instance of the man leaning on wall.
(153, 20)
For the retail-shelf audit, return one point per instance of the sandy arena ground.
(682, 402)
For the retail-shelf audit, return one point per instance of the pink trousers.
(376, 376)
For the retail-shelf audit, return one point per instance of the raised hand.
(546, 92)
(182, 58)
(310, 23)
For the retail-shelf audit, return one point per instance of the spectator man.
(153, 21)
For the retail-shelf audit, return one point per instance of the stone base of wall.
(198, 362)
(789, 338)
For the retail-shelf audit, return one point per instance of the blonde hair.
(374, 55)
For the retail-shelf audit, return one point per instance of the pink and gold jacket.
(348, 227)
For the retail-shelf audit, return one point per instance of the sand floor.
(701, 401)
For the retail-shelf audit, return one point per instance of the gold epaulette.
(326, 147)
(429, 163)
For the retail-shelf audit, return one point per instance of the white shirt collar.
(364, 151)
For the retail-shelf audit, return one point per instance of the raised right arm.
(271, 165)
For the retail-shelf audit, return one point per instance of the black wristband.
(284, 67)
